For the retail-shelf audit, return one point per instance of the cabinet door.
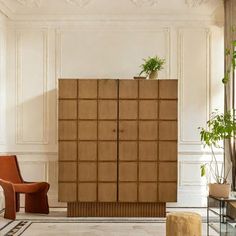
(138, 141)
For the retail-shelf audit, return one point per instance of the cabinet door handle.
(114, 130)
(121, 130)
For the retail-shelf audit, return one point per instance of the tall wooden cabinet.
(117, 146)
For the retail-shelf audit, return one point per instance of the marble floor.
(56, 223)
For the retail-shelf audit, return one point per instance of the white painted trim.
(3, 84)
(176, 18)
(180, 73)
(6, 10)
(186, 183)
(35, 152)
(79, 3)
(19, 92)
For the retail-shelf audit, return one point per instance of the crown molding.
(141, 3)
(79, 3)
(166, 19)
(6, 10)
(195, 3)
(30, 3)
(9, 9)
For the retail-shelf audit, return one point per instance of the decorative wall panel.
(2, 84)
(189, 92)
(32, 99)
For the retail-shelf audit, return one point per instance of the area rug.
(56, 223)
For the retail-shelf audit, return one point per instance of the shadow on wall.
(32, 136)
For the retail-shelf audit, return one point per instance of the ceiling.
(21, 9)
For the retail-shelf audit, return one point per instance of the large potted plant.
(220, 127)
(151, 66)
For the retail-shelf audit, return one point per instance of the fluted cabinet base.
(111, 209)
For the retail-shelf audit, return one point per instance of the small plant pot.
(153, 75)
(219, 190)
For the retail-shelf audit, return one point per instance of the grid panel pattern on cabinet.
(118, 140)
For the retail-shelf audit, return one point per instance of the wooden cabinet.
(117, 146)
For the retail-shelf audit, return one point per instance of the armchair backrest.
(9, 169)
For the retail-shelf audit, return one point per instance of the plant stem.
(213, 174)
(212, 171)
(217, 169)
(221, 174)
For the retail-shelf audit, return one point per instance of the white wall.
(41, 52)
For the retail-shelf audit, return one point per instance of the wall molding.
(195, 3)
(6, 10)
(78, 3)
(181, 77)
(29, 153)
(188, 182)
(2, 84)
(168, 51)
(19, 10)
(19, 92)
(141, 3)
(30, 3)
(83, 3)
(73, 19)
(180, 153)
(37, 163)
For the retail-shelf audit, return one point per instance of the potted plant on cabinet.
(221, 126)
(151, 66)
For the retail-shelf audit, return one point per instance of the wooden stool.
(183, 224)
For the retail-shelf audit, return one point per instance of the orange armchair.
(36, 200)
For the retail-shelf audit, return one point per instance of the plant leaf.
(203, 170)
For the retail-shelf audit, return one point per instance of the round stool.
(183, 224)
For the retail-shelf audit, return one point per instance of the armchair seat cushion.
(30, 187)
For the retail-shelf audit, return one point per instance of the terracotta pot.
(153, 75)
(219, 190)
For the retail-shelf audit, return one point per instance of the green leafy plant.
(220, 126)
(152, 64)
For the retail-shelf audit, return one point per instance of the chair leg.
(10, 200)
(17, 202)
(37, 202)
